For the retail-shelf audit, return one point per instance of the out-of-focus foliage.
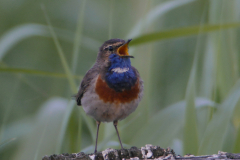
(186, 51)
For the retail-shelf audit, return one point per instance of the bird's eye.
(110, 48)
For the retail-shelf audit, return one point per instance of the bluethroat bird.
(112, 88)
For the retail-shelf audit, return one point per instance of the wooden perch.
(134, 153)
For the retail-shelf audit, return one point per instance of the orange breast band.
(108, 94)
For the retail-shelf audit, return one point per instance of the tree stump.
(134, 153)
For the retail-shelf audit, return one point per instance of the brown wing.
(90, 75)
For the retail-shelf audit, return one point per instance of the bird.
(112, 89)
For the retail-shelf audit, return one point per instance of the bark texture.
(134, 153)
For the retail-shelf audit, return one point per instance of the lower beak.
(123, 50)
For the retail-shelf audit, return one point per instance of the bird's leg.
(98, 124)
(115, 125)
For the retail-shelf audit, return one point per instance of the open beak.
(123, 50)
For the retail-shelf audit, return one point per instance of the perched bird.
(112, 88)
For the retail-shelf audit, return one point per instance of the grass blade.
(181, 32)
(78, 36)
(36, 72)
(237, 142)
(69, 76)
(154, 14)
(76, 48)
(190, 127)
(168, 123)
(18, 33)
(214, 136)
(42, 138)
(21, 32)
(61, 54)
(110, 24)
(64, 124)
(6, 142)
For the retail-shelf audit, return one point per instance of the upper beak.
(123, 50)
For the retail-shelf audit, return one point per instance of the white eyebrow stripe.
(118, 44)
(120, 70)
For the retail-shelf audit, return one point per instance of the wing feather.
(90, 75)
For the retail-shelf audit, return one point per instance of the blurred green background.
(187, 53)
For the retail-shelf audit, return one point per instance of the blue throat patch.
(117, 80)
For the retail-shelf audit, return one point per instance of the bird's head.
(113, 49)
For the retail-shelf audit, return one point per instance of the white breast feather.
(120, 70)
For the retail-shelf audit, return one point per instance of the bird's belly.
(115, 107)
(108, 112)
